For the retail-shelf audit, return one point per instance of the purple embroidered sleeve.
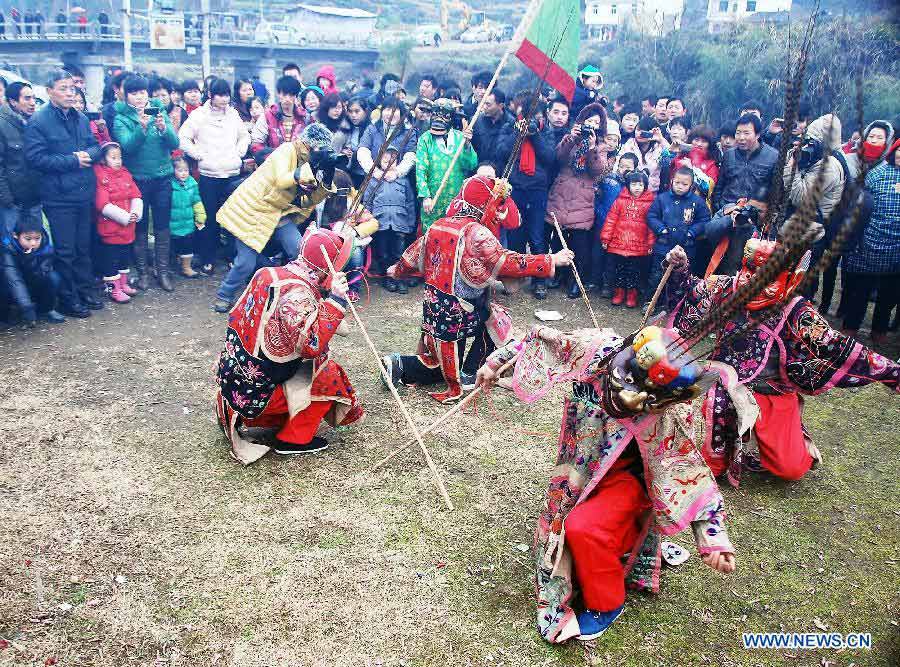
(710, 533)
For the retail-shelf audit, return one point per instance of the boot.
(186, 270)
(114, 290)
(161, 254)
(631, 301)
(123, 283)
(618, 296)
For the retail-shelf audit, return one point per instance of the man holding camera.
(740, 194)
(273, 201)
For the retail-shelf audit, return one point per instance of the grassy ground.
(128, 536)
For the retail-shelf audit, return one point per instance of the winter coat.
(800, 185)
(486, 136)
(649, 161)
(217, 140)
(393, 204)
(706, 170)
(433, 158)
(607, 192)
(19, 269)
(255, 209)
(742, 174)
(146, 153)
(677, 220)
(572, 195)
(879, 250)
(269, 131)
(582, 98)
(327, 72)
(19, 181)
(373, 139)
(117, 198)
(545, 158)
(853, 160)
(51, 139)
(187, 208)
(626, 231)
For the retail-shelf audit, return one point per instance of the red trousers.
(298, 429)
(779, 432)
(600, 530)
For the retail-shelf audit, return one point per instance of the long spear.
(438, 482)
(530, 14)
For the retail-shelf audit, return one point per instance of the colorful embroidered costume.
(276, 369)
(460, 257)
(790, 354)
(620, 485)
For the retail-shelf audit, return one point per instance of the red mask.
(756, 253)
(871, 152)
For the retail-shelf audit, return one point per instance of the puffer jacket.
(19, 181)
(544, 153)
(254, 210)
(187, 208)
(146, 154)
(649, 161)
(117, 198)
(572, 195)
(800, 185)
(18, 269)
(677, 220)
(742, 174)
(269, 130)
(217, 140)
(393, 204)
(626, 231)
(51, 139)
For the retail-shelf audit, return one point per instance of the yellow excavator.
(469, 18)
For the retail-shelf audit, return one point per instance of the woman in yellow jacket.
(277, 197)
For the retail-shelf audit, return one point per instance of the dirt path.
(128, 536)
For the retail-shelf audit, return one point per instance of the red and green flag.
(549, 36)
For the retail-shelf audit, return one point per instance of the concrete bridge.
(100, 47)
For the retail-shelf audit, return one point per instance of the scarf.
(870, 152)
(578, 162)
(527, 156)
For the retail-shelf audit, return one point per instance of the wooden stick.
(656, 295)
(530, 14)
(452, 411)
(587, 302)
(438, 482)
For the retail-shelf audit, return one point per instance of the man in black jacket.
(19, 181)
(489, 127)
(746, 171)
(531, 177)
(60, 145)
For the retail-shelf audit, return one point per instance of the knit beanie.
(317, 137)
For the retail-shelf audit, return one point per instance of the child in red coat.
(627, 237)
(119, 207)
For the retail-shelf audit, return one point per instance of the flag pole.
(524, 26)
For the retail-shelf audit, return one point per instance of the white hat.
(612, 127)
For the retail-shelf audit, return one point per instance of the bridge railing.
(110, 32)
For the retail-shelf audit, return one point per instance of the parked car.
(277, 33)
(40, 92)
(476, 34)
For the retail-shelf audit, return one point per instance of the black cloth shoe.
(317, 444)
(574, 291)
(78, 311)
(467, 381)
(402, 287)
(590, 287)
(91, 302)
(221, 306)
(391, 362)
(389, 284)
(540, 292)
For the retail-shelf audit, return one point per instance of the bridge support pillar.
(265, 68)
(93, 68)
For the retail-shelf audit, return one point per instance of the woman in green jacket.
(145, 132)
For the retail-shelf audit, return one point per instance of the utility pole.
(126, 33)
(206, 64)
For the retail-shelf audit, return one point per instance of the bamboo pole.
(587, 302)
(452, 411)
(656, 295)
(438, 482)
(527, 20)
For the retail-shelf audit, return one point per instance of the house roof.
(344, 12)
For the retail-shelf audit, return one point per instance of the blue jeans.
(288, 236)
(9, 216)
(532, 232)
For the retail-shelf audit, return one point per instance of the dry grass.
(128, 537)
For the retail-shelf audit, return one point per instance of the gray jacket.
(393, 204)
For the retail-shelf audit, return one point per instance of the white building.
(331, 24)
(604, 18)
(724, 14)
